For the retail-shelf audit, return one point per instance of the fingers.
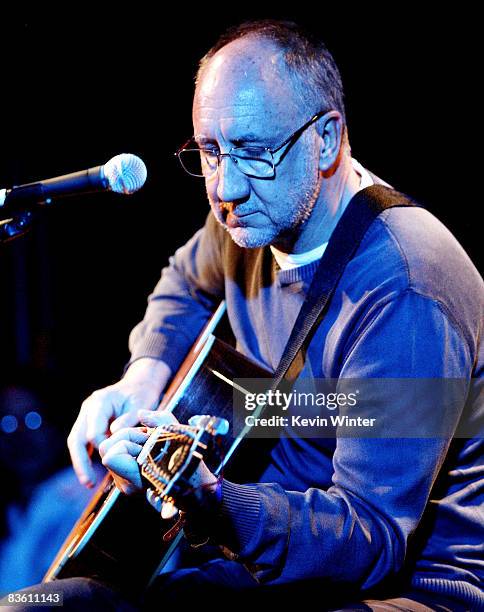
(154, 419)
(150, 418)
(88, 430)
(119, 454)
(168, 510)
(81, 461)
(117, 403)
(99, 408)
(137, 435)
(120, 458)
(129, 419)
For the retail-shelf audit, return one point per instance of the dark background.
(79, 89)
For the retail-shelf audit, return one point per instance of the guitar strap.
(362, 210)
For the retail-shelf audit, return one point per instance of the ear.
(330, 129)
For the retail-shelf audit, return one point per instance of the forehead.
(246, 82)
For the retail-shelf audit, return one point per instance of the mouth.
(233, 217)
(233, 220)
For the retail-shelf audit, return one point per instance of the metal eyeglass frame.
(288, 141)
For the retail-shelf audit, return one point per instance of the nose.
(232, 184)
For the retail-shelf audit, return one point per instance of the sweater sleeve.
(189, 290)
(357, 530)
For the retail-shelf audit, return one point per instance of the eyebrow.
(246, 138)
(250, 138)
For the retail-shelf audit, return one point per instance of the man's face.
(244, 98)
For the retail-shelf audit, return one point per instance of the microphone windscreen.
(126, 173)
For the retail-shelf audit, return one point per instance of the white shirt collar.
(287, 261)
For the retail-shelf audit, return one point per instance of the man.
(353, 519)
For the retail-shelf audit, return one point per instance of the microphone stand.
(15, 227)
(19, 220)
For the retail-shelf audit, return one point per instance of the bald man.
(384, 522)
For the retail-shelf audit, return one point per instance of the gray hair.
(311, 66)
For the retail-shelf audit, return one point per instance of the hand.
(119, 453)
(113, 408)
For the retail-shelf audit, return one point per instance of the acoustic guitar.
(114, 529)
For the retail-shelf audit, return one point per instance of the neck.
(337, 188)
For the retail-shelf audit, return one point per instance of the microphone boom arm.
(24, 197)
(124, 173)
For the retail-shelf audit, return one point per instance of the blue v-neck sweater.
(357, 511)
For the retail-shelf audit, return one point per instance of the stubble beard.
(286, 229)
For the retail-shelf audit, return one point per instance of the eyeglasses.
(253, 161)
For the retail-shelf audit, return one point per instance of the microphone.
(125, 173)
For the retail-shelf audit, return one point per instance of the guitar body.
(107, 540)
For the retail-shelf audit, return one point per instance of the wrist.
(149, 371)
(202, 512)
